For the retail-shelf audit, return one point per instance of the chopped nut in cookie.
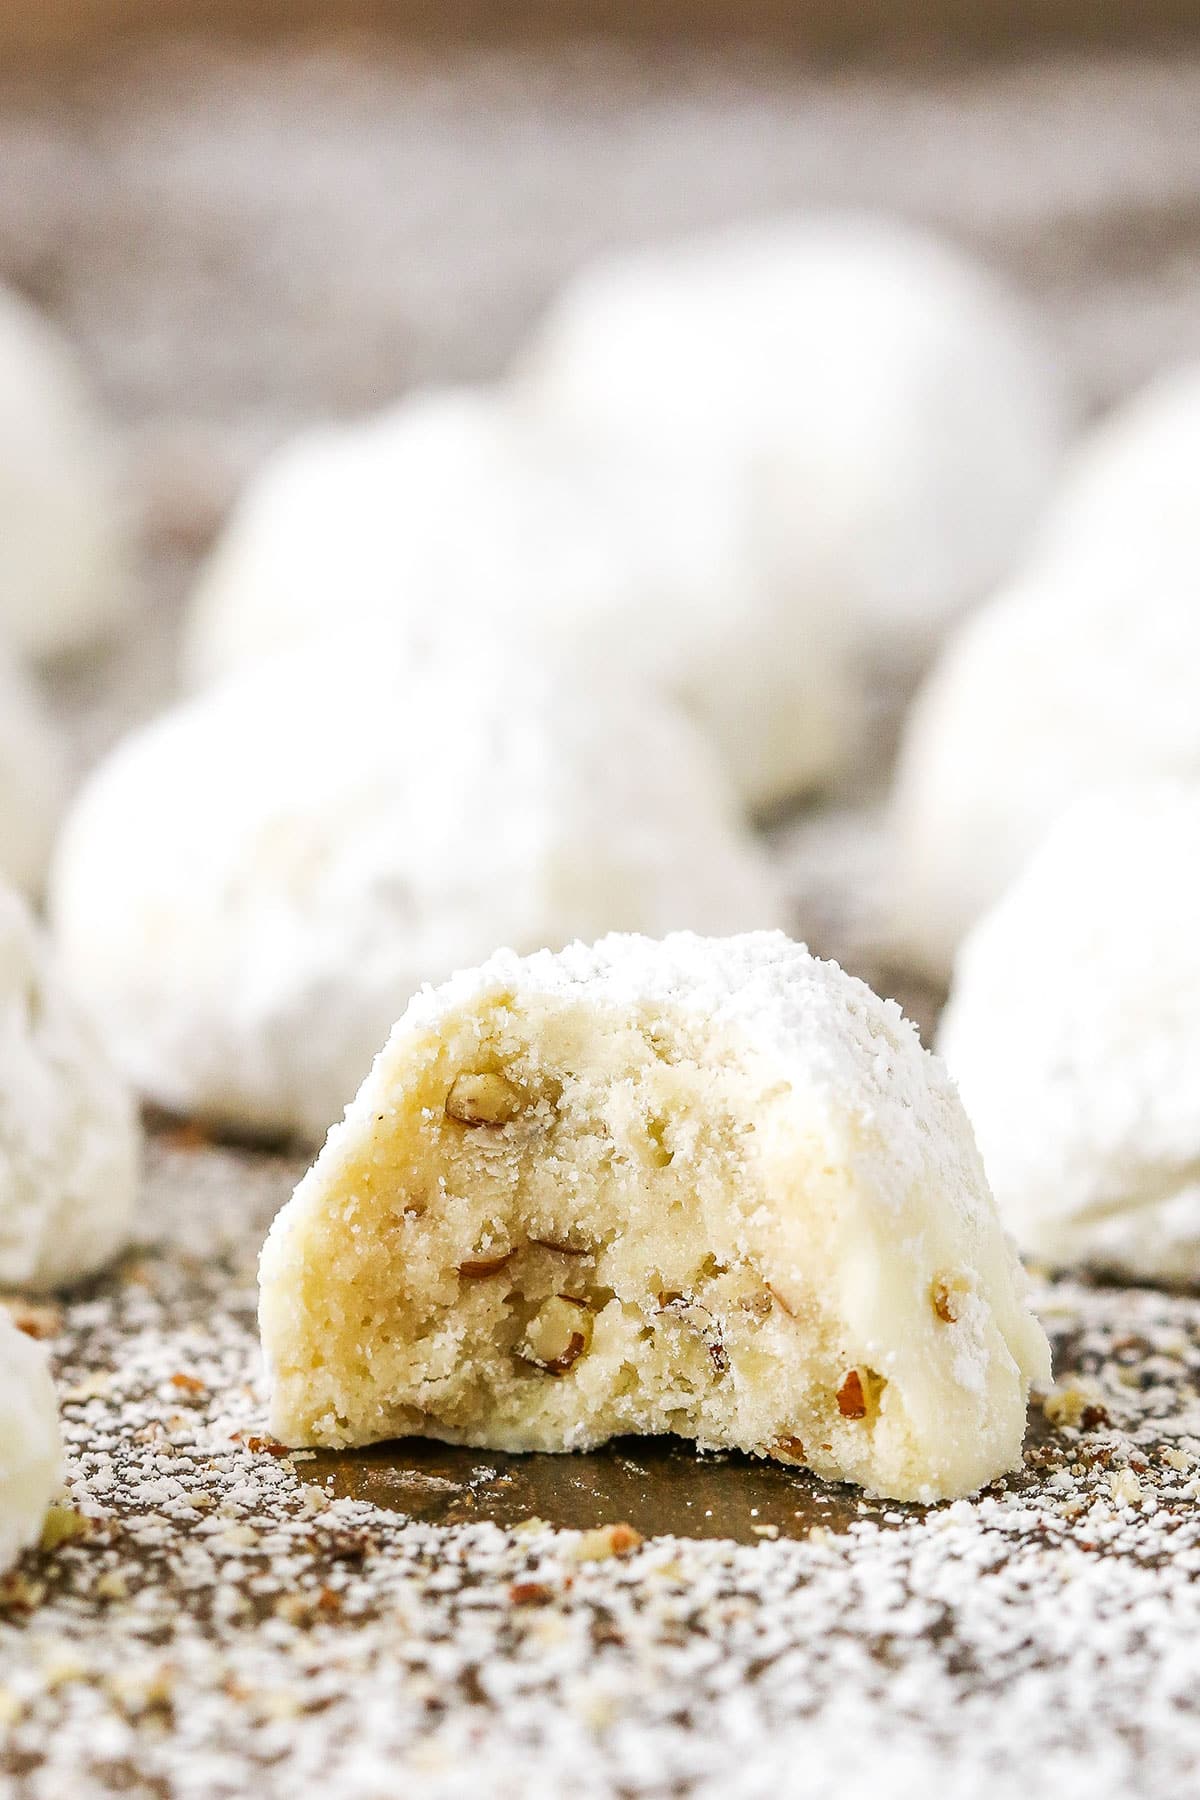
(558, 1334)
(483, 1099)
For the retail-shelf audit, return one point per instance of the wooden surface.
(239, 243)
(221, 1618)
(906, 27)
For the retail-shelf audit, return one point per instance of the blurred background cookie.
(1072, 1033)
(249, 890)
(887, 398)
(65, 578)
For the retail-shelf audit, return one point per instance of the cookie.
(30, 1442)
(454, 511)
(1052, 691)
(64, 571)
(33, 780)
(708, 1187)
(250, 889)
(1128, 508)
(1073, 1030)
(70, 1141)
(897, 414)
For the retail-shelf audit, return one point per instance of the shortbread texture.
(1128, 508)
(456, 510)
(708, 1187)
(70, 1140)
(1054, 690)
(250, 890)
(30, 1442)
(889, 398)
(1073, 1031)
(33, 779)
(64, 571)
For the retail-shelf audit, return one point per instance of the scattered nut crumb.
(1126, 1488)
(19, 1593)
(530, 1593)
(93, 1387)
(64, 1525)
(1076, 1407)
(189, 1384)
(606, 1540)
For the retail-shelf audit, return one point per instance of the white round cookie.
(886, 392)
(64, 575)
(714, 1188)
(33, 780)
(453, 508)
(1051, 691)
(70, 1141)
(250, 889)
(30, 1442)
(1073, 1031)
(1128, 509)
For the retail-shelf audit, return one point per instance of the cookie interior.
(560, 1230)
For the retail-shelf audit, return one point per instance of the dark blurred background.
(250, 216)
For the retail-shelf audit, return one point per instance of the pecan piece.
(474, 1268)
(558, 1334)
(483, 1099)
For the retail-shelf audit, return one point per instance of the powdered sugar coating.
(853, 1055)
(32, 780)
(1056, 689)
(871, 1162)
(250, 889)
(30, 1441)
(455, 508)
(1073, 1030)
(891, 400)
(1128, 509)
(63, 575)
(71, 1141)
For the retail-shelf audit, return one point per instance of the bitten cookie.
(64, 575)
(30, 1442)
(70, 1141)
(888, 397)
(711, 1187)
(453, 510)
(1052, 691)
(249, 891)
(1073, 1031)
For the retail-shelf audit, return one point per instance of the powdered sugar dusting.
(226, 1627)
(67, 1121)
(1071, 1028)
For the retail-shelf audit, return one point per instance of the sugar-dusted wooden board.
(223, 1617)
(232, 1620)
